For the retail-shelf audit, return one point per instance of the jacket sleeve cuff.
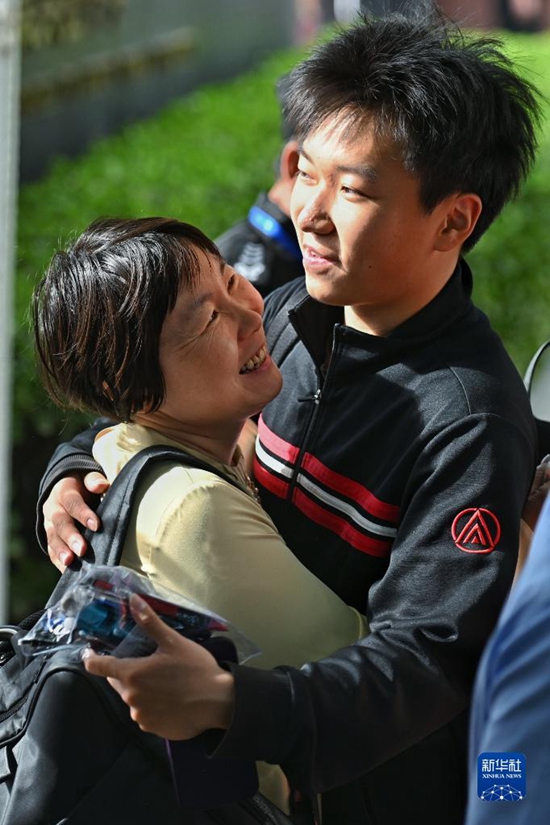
(254, 733)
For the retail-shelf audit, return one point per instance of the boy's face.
(367, 242)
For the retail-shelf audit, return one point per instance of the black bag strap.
(115, 510)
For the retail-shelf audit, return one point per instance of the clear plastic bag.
(95, 611)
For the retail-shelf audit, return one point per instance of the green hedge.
(512, 262)
(203, 159)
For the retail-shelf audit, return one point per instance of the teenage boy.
(398, 456)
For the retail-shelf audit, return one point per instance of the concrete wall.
(154, 51)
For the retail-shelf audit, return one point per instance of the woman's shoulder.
(196, 501)
(115, 446)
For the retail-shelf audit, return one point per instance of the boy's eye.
(349, 190)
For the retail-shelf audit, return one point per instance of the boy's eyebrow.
(362, 170)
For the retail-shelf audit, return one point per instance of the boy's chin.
(324, 290)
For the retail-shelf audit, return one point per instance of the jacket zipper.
(316, 398)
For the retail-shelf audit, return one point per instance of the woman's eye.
(213, 316)
(231, 282)
(302, 174)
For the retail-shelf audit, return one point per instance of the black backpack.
(69, 752)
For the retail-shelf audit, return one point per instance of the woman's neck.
(220, 445)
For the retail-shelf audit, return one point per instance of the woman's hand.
(177, 692)
(66, 505)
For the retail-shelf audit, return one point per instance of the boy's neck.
(380, 321)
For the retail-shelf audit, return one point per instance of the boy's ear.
(281, 190)
(459, 220)
(288, 164)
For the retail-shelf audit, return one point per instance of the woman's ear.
(459, 220)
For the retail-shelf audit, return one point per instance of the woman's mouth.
(255, 362)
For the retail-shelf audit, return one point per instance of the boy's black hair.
(460, 115)
(99, 310)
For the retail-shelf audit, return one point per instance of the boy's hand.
(66, 505)
(177, 692)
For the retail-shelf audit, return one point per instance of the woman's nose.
(250, 296)
(252, 307)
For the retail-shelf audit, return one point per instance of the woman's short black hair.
(99, 310)
(459, 114)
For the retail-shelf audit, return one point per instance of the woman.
(141, 321)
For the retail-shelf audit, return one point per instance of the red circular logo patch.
(476, 530)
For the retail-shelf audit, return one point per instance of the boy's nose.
(314, 217)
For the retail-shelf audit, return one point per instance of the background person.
(398, 456)
(263, 247)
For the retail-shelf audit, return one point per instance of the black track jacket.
(396, 468)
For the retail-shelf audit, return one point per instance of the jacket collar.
(314, 321)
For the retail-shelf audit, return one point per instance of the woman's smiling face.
(212, 353)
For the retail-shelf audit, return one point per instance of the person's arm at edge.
(510, 710)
